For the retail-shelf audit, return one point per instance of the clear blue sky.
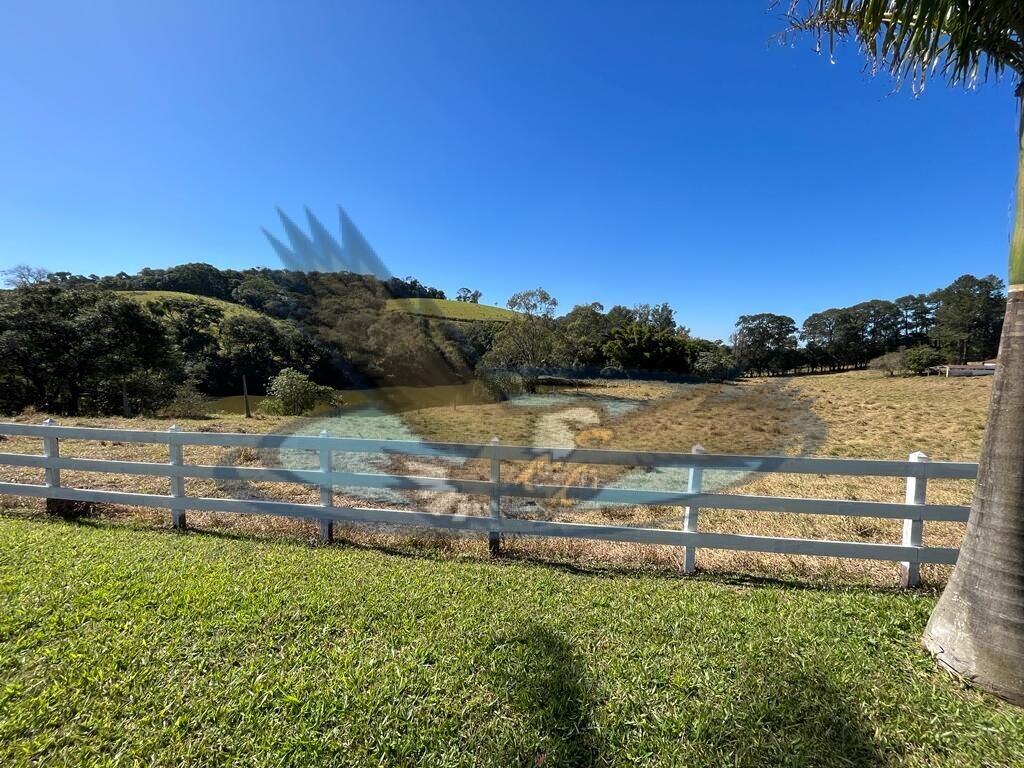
(617, 152)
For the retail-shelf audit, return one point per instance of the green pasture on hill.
(450, 310)
(229, 308)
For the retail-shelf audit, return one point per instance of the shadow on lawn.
(540, 683)
(790, 715)
(787, 712)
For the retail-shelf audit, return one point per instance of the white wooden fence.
(910, 553)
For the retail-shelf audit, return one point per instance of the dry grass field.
(867, 416)
(855, 414)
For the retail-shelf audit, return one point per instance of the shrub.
(292, 393)
(893, 363)
(188, 403)
(919, 359)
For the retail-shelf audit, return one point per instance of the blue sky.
(612, 152)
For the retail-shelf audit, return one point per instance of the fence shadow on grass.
(429, 549)
(539, 682)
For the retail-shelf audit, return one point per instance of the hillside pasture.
(229, 309)
(446, 309)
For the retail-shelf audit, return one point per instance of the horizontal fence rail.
(910, 552)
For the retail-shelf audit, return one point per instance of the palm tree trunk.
(977, 628)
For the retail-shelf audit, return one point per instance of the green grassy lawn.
(121, 645)
(230, 309)
(450, 310)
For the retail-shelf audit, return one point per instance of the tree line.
(643, 339)
(957, 324)
(80, 344)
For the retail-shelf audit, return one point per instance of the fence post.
(690, 512)
(174, 455)
(51, 450)
(326, 491)
(494, 537)
(917, 490)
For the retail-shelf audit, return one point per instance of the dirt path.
(559, 429)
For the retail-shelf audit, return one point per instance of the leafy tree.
(262, 294)
(976, 629)
(644, 347)
(473, 339)
(525, 346)
(919, 359)
(467, 295)
(401, 348)
(533, 303)
(765, 343)
(619, 316)
(293, 393)
(962, 319)
(715, 362)
(80, 350)
(661, 317)
(968, 318)
(410, 288)
(580, 336)
(200, 279)
(917, 314)
(131, 393)
(882, 321)
(191, 326)
(252, 347)
(311, 355)
(821, 334)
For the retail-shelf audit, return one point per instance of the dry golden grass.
(753, 416)
(870, 416)
(474, 424)
(861, 415)
(866, 415)
(513, 424)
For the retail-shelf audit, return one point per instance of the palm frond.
(962, 41)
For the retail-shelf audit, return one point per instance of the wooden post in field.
(494, 537)
(51, 450)
(245, 398)
(690, 513)
(326, 491)
(174, 455)
(917, 490)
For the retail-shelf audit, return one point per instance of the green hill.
(229, 308)
(441, 308)
(451, 310)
